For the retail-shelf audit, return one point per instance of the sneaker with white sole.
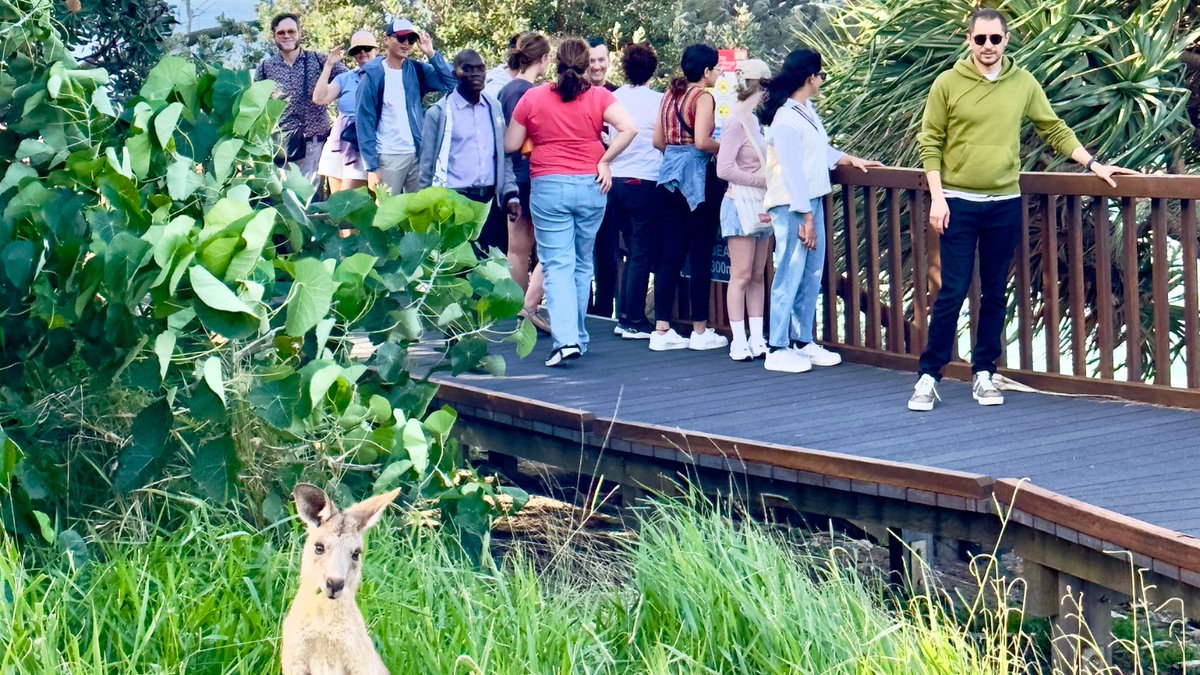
(709, 339)
(563, 353)
(740, 351)
(819, 355)
(758, 348)
(619, 330)
(662, 342)
(984, 390)
(787, 361)
(636, 331)
(924, 394)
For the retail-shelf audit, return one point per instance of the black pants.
(689, 235)
(633, 206)
(495, 228)
(607, 260)
(992, 228)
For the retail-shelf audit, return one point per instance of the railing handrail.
(1061, 183)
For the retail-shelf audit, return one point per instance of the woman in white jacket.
(799, 159)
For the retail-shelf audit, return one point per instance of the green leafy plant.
(155, 257)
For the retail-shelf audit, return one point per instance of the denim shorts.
(731, 224)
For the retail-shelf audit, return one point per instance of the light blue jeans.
(566, 211)
(797, 281)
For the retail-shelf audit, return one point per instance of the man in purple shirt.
(464, 149)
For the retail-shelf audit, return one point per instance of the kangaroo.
(324, 632)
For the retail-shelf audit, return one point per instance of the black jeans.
(633, 207)
(607, 258)
(495, 228)
(992, 228)
(689, 235)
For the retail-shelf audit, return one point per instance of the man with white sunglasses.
(970, 148)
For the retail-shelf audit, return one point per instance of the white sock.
(739, 332)
(756, 328)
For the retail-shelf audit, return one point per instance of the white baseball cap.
(401, 27)
(753, 69)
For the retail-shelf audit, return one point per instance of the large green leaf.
(251, 105)
(215, 468)
(280, 402)
(255, 236)
(416, 444)
(214, 293)
(166, 122)
(173, 73)
(151, 449)
(224, 156)
(20, 260)
(311, 296)
(10, 455)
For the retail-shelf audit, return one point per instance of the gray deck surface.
(1138, 460)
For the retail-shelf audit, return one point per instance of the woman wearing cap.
(570, 173)
(340, 163)
(744, 222)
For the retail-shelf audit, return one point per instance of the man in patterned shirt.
(295, 71)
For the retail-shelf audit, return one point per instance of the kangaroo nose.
(334, 586)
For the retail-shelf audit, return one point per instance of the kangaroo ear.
(368, 512)
(313, 505)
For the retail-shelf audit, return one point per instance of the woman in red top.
(570, 174)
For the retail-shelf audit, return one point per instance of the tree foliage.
(124, 37)
(1114, 77)
(153, 256)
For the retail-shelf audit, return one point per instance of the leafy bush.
(157, 265)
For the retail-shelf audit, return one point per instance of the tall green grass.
(694, 592)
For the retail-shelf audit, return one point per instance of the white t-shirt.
(641, 159)
(394, 133)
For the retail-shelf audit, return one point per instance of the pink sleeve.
(521, 112)
(733, 138)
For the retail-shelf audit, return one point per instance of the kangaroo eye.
(356, 555)
(319, 548)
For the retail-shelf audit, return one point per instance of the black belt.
(479, 193)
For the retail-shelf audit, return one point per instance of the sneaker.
(740, 351)
(924, 394)
(619, 330)
(819, 355)
(787, 361)
(984, 390)
(563, 353)
(758, 348)
(635, 331)
(662, 342)
(708, 339)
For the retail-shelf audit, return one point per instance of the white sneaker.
(819, 355)
(924, 394)
(740, 351)
(662, 342)
(787, 361)
(758, 348)
(985, 391)
(709, 339)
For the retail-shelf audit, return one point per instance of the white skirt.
(333, 166)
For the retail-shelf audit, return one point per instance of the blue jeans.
(797, 281)
(567, 211)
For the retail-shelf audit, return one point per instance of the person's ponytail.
(572, 60)
(799, 65)
(678, 86)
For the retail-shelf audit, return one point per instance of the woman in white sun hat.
(744, 222)
(340, 162)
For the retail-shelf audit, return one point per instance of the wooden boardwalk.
(1136, 460)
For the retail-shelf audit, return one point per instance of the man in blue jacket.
(463, 149)
(390, 117)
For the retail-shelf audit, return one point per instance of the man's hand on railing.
(1106, 172)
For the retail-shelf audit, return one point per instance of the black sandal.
(563, 353)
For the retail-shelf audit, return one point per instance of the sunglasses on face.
(410, 38)
(360, 50)
(823, 75)
(286, 32)
(983, 39)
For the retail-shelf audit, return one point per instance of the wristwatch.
(1090, 162)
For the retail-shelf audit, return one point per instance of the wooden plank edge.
(1064, 183)
(836, 465)
(1137, 536)
(452, 392)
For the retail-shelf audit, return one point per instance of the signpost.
(725, 95)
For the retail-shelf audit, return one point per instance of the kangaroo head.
(332, 562)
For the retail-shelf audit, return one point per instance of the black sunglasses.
(981, 39)
(410, 38)
(358, 50)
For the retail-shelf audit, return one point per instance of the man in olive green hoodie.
(970, 147)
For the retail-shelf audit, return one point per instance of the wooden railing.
(1090, 258)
